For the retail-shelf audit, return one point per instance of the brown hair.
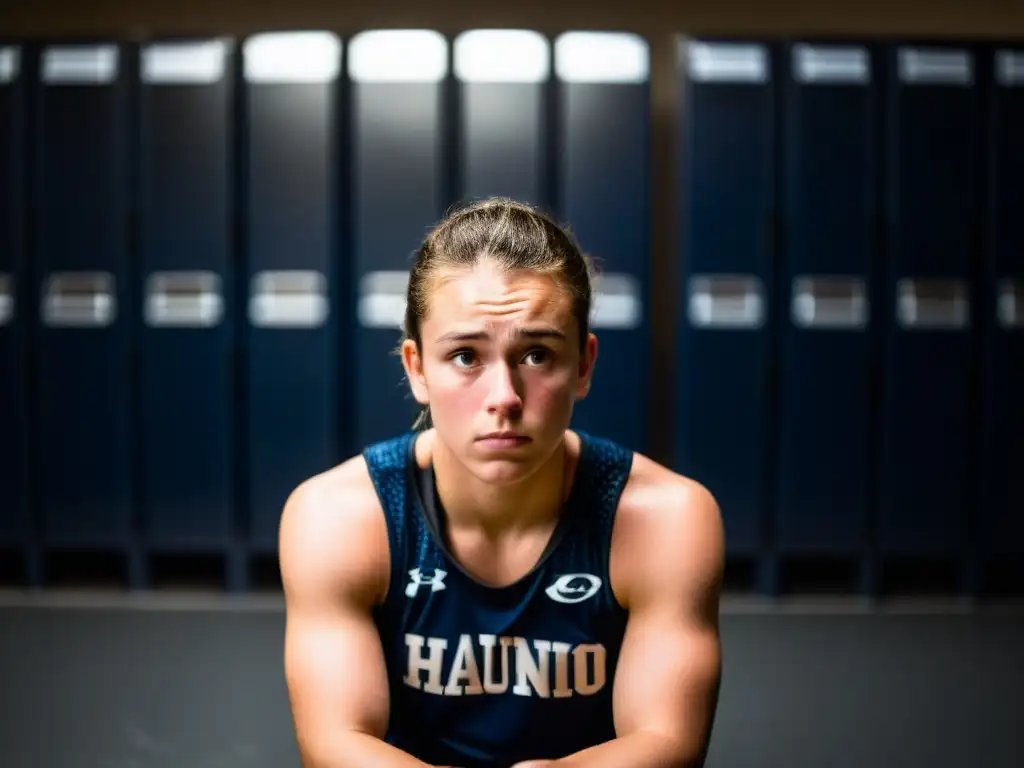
(516, 236)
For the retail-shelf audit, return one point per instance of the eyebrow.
(529, 333)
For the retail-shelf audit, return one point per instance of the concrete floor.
(186, 681)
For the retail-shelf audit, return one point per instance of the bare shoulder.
(333, 537)
(668, 535)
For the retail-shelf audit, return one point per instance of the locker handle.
(288, 299)
(6, 299)
(726, 301)
(617, 302)
(382, 299)
(1010, 304)
(79, 300)
(9, 59)
(183, 300)
(829, 302)
(932, 304)
(80, 65)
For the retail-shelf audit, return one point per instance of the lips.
(504, 436)
(503, 440)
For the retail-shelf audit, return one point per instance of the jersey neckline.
(431, 514)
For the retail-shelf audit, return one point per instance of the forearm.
(642, 749)
(356, 749)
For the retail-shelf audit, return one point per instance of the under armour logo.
(435, 582)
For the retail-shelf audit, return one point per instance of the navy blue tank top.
(485, 676)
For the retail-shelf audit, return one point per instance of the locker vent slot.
(398, 56)
(602, 57)
(183, 300)
(79, 300)
(80, 65)
(200, 63)
(288, 299)
(1010, 68)
(935, 67)
(292, 57)
(382, 299)
(830, 302)
(1010, 303)
(932, 304)
(727, 63)
(617, 302)
(9, 58)
(812, 64)
(6, 298)
(726, 301)
(502, 56)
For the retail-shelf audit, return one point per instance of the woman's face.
(500, 367)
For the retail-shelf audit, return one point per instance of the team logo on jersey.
(574, 588)
(417, 580)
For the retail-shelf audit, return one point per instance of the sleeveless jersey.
(484, 676)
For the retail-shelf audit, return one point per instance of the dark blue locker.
(14, 451)
(1001, 524)
(829, 204)
(185, 329)
(85, 430)
(397, 101)
(924, 465)
(503, 78)
(727, 177)
(291, 268)
(603, 192)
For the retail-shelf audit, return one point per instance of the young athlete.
(493, 588)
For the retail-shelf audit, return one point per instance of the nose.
(503, 394)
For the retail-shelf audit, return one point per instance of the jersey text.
(490, 664)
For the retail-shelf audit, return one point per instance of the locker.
(1001, 525)
(603, 192)
(503, 77)
(727, 199)
(185, 327)
(924, 465)
(829, 185)
(14, 406)
(83, 328)
(398, 121)
(291, 269)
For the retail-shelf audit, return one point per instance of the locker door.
(829, 185)
(14, 406)
(503, 78)
(291, 270)
(925, 459)
(397, 118)
(727, 208)
(81, 272)
(1001, 524)
(185, 333)
(603, 192)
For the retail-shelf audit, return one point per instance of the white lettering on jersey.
(535, 674)
(432, 665)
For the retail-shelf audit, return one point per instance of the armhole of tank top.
(391, 522)
(607, 534)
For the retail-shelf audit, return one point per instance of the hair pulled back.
(514, 236)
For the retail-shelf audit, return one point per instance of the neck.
(470, 503)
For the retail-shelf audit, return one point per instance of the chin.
(502, 471)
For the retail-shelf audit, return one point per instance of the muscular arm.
(333, 557)
(667, 681)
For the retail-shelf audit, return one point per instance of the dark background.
(92, 675)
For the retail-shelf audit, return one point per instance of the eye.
(463, 358)
(538, 356)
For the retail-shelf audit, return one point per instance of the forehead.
(489, 297)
